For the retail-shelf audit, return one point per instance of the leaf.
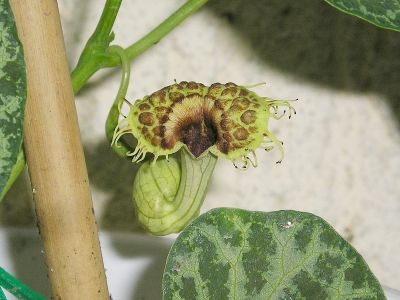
(236, 254)
(383, 13)
(12, 95)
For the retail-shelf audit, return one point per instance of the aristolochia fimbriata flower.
(227, 120)
(222, 120)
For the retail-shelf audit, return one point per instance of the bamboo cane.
(55, 158)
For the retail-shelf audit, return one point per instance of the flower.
(227, 120)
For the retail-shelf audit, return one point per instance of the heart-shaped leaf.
(12, 97)
(383, 13)
(237, 254)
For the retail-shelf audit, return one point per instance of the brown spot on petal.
(165, 144)
(243, 92)
(242, 102)
(223, 147)
(156, 141)
(145, 130)
(235, 109)
(227, 137)
(144, 106)
(153, 100)
(215, 90)
(158, 97)
(193, 85)
(162, 96)
(226, 124)
(248, 117)
(240, 134)
(163, 119)
(146, 118)
(159, 130)
(161, 111)
(230, 91)
(214, 85)
(218, 105)
(176, 96)
(181, 85)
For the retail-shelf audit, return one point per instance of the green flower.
(226, 120)
(222, 120)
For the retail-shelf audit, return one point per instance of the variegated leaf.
(237, 254)
(382, 13)
(12, 96)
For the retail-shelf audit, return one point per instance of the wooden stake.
(55, 158)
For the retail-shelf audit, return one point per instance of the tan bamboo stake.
(55, 158)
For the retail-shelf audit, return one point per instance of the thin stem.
(112, 119)
(94, 56)
(107, 19)
(160, 31)
(95, 49)
(16, 170)
(17, 288)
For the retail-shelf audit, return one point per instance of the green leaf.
(237, 254)
(12, 95)
(383, 13)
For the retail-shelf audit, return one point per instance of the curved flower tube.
(202, 123)
(168, 195)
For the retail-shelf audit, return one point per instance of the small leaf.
(237, 254)
(12, 94)
(384, 13)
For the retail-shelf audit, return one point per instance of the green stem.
(17, 288)
(161, 30)
(113, 115)
(106, 22)
(95, 56)
(16, 170)
(95, 49)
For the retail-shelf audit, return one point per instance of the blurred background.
(342, 149)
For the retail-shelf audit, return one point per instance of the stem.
(106, 22)
(17, 288)
(113, 115)
(95, 49)
(161, 30)
(16, 170)
(95, 56)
